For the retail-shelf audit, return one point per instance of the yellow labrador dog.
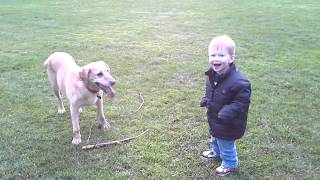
(81, 85)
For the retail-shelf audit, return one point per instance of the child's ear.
(232, 59)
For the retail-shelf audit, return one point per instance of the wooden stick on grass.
(141, 104)
(108, 143)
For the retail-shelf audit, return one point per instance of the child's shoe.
(210, 154)
(222, 171)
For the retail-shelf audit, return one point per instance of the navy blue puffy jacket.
(227, 100)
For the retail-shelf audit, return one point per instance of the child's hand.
(203, 102)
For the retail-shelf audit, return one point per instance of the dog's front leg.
(103, 123)
(75, 125)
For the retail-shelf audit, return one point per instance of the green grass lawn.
(159, 49)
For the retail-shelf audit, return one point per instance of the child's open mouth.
(216, 65)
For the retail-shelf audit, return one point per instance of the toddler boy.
(227, 99)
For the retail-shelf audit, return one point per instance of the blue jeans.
(227, 151)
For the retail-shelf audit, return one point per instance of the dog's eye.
(100, 74)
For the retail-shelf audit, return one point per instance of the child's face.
(219, 59)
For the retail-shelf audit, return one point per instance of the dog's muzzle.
(107, 89)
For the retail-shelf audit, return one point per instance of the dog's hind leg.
(61, 108)
(53, 80)
(100, 115)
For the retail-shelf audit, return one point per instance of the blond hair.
(223, 41)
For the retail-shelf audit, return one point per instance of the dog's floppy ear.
(84, 73)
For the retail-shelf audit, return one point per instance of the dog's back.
(60, 61)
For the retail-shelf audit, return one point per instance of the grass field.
(159, 49)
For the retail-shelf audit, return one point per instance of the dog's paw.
(76, 138)
(61, 110)
(104, 125)
(76, 141)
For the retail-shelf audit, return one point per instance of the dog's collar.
(92, 90)
(95, 92)
(98, 92)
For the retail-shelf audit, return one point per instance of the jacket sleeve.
(204, 100)
(239, 104)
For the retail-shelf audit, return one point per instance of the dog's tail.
(46, 63)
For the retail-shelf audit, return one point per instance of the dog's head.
(98, 76)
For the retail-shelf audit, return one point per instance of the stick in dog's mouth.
(108, 90)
